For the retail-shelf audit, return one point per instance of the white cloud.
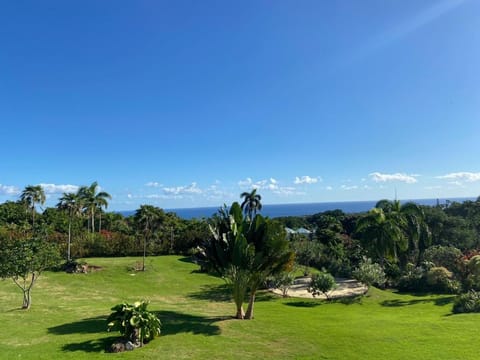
(9, 190)
(329, 188)
(183, 190)
(58, 189)
(153, 184)
(461, 176)
(244, 183)
(306, 180)
(379, 177)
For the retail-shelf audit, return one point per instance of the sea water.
(300, 209)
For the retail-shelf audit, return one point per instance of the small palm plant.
(134, 322)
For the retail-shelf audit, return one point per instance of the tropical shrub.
(467, 303)
(282, 281)
(440, 279)
(370, 273)
(444, 256)
(322, 283)
(413, 279)
(134, 322)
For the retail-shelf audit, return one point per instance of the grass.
(67, 319)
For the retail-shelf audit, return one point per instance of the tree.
(382, 233)
(72, 204)
(251, 203)
(93, 201)
(322, 283)
(148, 218)
(23, 260)
(32, 195)
(246, 252)
(412, 219)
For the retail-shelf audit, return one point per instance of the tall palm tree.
(251, 203)
(32, 195)
(147, 218)
(71, 203)
(93, 200)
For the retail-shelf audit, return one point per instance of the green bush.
(440, 279)
(412, 280)
(134, 322)
(467, 303)
(322, 283)
(370, 273)
(444, 256)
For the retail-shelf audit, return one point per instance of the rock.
(117, 347)
(129, 346)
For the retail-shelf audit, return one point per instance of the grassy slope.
(67, 320)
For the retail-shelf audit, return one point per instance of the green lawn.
(67, 320)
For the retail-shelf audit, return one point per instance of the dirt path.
(345, 288)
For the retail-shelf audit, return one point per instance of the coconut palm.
(251, 203)
(31, 196)
(92, 201)
(72, 204)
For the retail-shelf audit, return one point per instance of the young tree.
(23, 260)
(322, 283)
(148, 218)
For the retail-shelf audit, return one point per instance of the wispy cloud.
(346, 187)
(9, 190)
(58, 189)
(153, 184)
(183, 190)
(306, 180)
(458, 177)
(399, 177)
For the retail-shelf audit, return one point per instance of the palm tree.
(93, 200)
(382, 233)
(251, 203)
(414, 225)
(32, 195)
(71, 203)
(147, 218)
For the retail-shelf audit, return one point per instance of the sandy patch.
(345, 288)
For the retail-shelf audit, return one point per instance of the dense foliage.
(134, 322)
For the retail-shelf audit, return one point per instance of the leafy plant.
(134, 322)
(370, 273)
(322, 283)
(466, 303)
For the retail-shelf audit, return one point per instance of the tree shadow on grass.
(399, 303)
(175, 322)
(217, 293)
(85, 326)
(305, 303)
(91, 346)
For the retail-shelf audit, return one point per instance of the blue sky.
(189, 103)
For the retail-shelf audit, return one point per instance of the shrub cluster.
(467, 303)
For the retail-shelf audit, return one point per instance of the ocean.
(278, 210)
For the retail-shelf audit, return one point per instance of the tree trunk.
(27, 299)
(100, 223)
(251, 303)
(69, 238)
(240, 313)
(93, 221)
(144, 252)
